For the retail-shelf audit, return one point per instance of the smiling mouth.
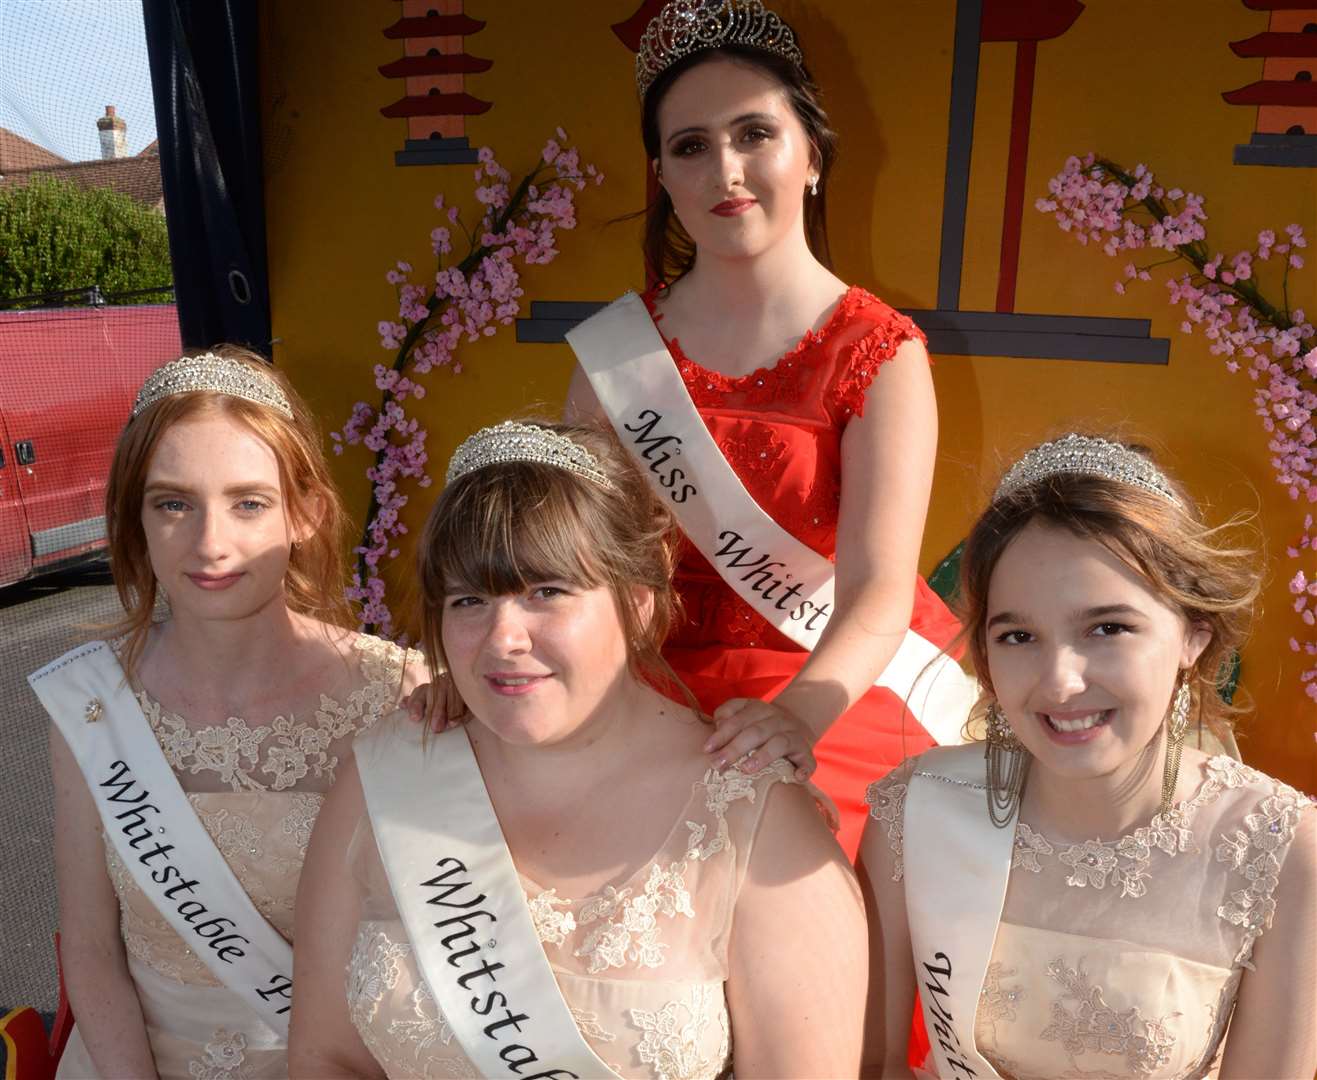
(1074, 724)
(512, 685)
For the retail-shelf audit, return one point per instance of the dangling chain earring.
(1177, 723)
(813, 185)
(1008, 766)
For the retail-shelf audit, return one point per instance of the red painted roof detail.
(630, 30)
(1027, 20)
(452, 64)
(434, 26)
(437, 105)
(1276, 44)
(1271, 92)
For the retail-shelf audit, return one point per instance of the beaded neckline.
(853, 297)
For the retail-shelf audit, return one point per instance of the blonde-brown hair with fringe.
(1210, 575)
(314, 580)
(503, 528)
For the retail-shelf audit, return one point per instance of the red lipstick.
(733, 207)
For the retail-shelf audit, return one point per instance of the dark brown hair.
(502, 528)
(1209, 575)
(669, 250)
(315, 576)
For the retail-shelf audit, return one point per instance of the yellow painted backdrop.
(1137, 82)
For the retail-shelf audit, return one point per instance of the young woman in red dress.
(817, 393)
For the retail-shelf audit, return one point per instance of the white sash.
(784, 580)
(157, 834)
(956, 867)
(463, 907)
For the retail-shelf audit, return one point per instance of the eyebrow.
(742, 119)
(1088, 613)
(183, 489)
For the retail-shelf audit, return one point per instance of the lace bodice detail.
(1123, 957)
(261, 831)
(780, 427)
(641, 962)
(292, 750)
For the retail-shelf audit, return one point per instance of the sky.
(63, 61)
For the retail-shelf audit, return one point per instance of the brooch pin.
(93, 710)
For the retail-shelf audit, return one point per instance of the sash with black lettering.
(156, 833)
(784, 580)
(956, 867)
(463, 907)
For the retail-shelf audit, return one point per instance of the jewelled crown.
(1091, 456)
(216, 373)
(511, 441)
(684, 27)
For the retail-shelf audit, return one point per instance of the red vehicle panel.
(67, 382)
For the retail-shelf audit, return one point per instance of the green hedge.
(54, 236)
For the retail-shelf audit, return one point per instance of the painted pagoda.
(434, 67)
(1286, 96)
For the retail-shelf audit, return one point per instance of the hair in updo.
(1210, 575)
(502, 528)
(669, 250)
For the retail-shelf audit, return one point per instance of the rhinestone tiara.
(218, 374)
(1091, 456)
(511, 441)
(684, 27)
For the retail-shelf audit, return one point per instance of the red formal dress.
(780, 428)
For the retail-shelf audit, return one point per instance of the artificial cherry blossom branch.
(1098, 200)
(466, 300)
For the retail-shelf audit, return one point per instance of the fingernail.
(708, 746)
(721, 764)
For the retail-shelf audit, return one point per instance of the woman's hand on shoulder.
(751, 733)
(432, 703)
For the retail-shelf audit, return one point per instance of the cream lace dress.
(1122, 958)
(640, 962)
(257, 789)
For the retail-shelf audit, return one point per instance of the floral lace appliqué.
(996, 1000)
(886, 801)
(630, 927)
(674, 1035)
(758, 450)
(1091, 1026)
(222, 1058)
(552, 927)
(374, 969)
(1126, 863)
(1255, 853)
(292, 749)
(1028, 846)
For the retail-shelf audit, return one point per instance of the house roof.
(17, 153)
(137, 177)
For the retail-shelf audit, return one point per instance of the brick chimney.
(114, 141)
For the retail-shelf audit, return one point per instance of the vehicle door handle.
(25, 452)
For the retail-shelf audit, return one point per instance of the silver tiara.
(1091, 456)
(511, 441)
(684, 27)
(218, 374)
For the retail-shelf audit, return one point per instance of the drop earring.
(813, 185)
(1007, 767)
(1177, 723)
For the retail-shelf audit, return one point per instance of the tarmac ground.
(39, 620)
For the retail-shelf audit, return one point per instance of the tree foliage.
(55, 235)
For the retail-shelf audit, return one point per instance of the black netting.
(86, 311)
